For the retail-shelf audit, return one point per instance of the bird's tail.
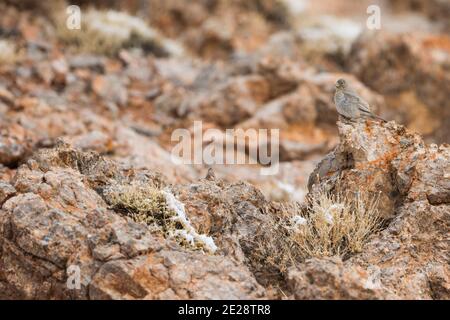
(371, 115)
(377, 117)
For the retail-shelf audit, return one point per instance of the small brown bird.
(349, 105)
(211, 176)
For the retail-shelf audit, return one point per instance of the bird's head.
(341, 84)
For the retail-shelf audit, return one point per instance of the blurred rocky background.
(137, 70)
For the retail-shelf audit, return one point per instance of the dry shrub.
(271, 250)
(160, 210)
(327, 225)
(335, 224)
(142, 202)
(106, 32)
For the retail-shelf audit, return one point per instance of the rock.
(332, 279)
(283, 74)
(94, 140)
(11, 152)
(309, 103)
(108, 31)
(414, 183)
(293, 108)
(6, 191)
(235, 215)
(231, 102)
(411, 71)
(293, 150)
(412, 247)
(45, 8)
(137, 151)
(323, 37)
(111, 88)
(87, 61)
(216, 96)
(435, 9)
(14, 146)
(209, 29)
(174, 275)
(57, 220)
(6, 96)
(365, 157)
(439, 282)
(86, 123)
(6, 173)
(304, 116)
(289, 184)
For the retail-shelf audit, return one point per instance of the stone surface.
(75, 123)
(413, 181)
(412, 72)
(58, 219)
(332, 279)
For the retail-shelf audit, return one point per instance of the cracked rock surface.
(77, 121)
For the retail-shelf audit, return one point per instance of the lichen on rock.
(159, 209)
(357, 210)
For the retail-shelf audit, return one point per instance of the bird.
(211, 176)
(349, 105)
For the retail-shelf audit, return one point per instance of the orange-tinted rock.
(412, 71)
(413, 181)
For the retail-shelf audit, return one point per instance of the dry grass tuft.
(160, 210)
(142, 202)
(335, 225)
(106, 32)
(328, 225)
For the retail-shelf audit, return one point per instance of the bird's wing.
(355, 99)
(345, 107)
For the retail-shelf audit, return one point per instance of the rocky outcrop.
(85, 126)
(408, 257)
(54, 218)
(330, 278)
(371, 157)
(210, 30)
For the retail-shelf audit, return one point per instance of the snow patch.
(298, 221)
(294, 193)
(328, 218)
(333, 211)
(373, 282)
(296, 6)
(188, 232)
